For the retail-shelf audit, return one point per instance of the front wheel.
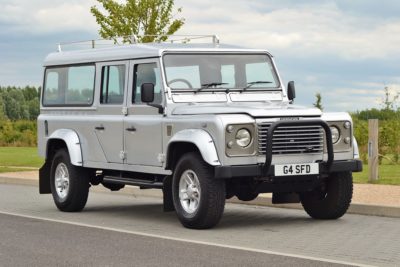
(332, 200)
(199, 198)
(69, 184)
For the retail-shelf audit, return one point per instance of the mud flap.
(44, 178)
(168, 203)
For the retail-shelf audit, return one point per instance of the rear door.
(109, 122)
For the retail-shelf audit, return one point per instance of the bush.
(18, 133)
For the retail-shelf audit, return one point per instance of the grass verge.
(388, 174)
(20, 157)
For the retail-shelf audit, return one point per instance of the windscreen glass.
(226, 71)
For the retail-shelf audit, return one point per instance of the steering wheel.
(183, 81)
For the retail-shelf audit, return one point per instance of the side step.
(131, 181)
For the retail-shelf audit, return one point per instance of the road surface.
(117, 229)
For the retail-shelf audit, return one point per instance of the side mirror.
(291, 92)
(147, 92)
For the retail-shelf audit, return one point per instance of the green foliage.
(18, 133)
(137, 17)
(318, 101)
(389, 132)
(19, 103)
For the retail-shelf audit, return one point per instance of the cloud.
(346, 50)
(41, 17)
(303, 29)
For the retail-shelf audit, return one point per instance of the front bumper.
(225, 172)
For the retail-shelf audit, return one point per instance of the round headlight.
(243, 138)
(335, 134)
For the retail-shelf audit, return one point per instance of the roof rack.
(134, 39)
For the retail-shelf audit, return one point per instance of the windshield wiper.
(208, 85)
(250, 84)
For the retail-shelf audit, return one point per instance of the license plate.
(296, 169)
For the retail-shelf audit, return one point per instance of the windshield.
(224, 72)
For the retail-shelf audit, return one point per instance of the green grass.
(388, 174)
(20, 157)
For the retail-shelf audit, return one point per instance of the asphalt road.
(117, 229)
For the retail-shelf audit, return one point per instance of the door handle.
(131, 129)
(99, 128)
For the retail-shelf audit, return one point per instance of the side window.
(147, 73)
(112, 84)
(51, 89)
(69, 86)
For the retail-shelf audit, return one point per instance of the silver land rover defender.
(203, 122)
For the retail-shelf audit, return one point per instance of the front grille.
(291, 139)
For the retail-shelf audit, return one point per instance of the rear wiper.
(208, 85)
(250, 84)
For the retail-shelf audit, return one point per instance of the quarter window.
(69, 86)
(113, 84)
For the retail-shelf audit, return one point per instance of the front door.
(142, 125)
(109, 119)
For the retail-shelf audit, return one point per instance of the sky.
(346, 50)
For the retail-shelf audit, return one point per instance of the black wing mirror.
(147, 92)
(291, 92)
(147, 96)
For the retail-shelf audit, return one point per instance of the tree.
(390, 100)
(318, 101)
(137, 17)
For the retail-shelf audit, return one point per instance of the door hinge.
(122, 155)
(124, 111)
(161, 158)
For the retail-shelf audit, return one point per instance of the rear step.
(132, 181)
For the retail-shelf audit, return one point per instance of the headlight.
(335, 134)
(243, 138)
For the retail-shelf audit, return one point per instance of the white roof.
(135, 51)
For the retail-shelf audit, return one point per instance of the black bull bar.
(275, 125)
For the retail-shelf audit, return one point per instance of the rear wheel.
(69, 184)
(332, 200)
(199, 199)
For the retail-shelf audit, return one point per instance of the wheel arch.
(65, 138)
(62, 138)
(191, 140)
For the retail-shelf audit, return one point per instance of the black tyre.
(198, 197)
(331, 201)
(69, 184)
(246, 195)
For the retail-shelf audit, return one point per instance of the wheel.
(198, 198)
(331, 201)
(182, 81)
(69, 184)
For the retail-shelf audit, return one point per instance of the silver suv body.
(204, 123)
